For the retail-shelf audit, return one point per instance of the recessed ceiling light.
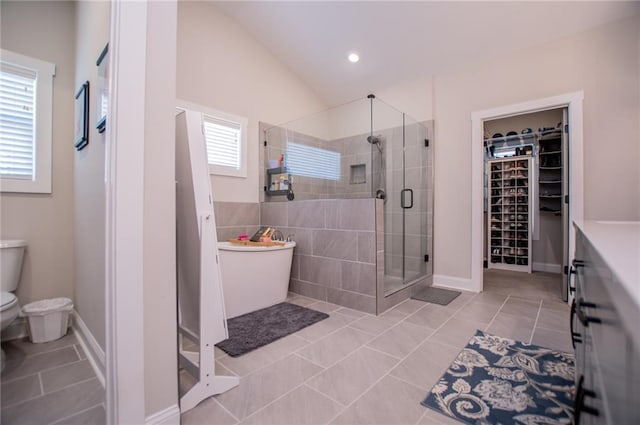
(353, 57)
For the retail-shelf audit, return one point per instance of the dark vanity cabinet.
(605, 320)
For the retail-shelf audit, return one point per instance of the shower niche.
(358, 174)
(367, 168)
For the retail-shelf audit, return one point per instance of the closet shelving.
(509, 218)
(550, 172)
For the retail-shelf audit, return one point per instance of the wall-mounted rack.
(288, 192)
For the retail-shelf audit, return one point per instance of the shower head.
(374, 140)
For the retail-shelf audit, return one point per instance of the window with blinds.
(223, 139)
(26, 123)
(225, 136)
(17, 122)
(309, 161)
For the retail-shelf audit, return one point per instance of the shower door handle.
(403, 202)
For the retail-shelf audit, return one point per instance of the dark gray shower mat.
(436, 295)
(261, 327)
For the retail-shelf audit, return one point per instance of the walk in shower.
(361, 150)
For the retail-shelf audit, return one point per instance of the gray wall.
(335, 256)
(235, 218)
(339, 256)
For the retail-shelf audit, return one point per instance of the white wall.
(413, 97)
(92, 21)
(219, 65)
(604, 63)
(46, 31)
(160, 319)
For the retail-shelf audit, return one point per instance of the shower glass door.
(400, 164)
(415, 201)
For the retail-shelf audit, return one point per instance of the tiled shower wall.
(354, 151)
(336, 252)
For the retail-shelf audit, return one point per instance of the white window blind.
(223, 138)
(17, 122)
(309, 161)
(26, 123)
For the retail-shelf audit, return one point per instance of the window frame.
(42, 169)
(215, 169)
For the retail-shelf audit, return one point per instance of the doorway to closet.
(574, 103)
(526, 226)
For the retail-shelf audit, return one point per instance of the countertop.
(618, 243)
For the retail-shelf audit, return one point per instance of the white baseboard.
(546, 267)
(451, 282)
(95, 353)
(168, 416)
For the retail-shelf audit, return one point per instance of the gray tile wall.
(354, 150)
(235, 218)
(336, 252)
(339, 255)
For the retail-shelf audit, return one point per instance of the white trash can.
(48, 319)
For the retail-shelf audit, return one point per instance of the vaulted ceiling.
(399, 41)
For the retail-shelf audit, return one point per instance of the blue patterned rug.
(497, 380)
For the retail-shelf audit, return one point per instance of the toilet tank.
(11, 254)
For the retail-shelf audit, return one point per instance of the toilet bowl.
(11, 254)
(9, 309)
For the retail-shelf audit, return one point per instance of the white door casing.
(572, 101)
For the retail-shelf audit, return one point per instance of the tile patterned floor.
(49, 383)
(354, 368)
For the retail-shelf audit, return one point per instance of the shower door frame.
(424, 274)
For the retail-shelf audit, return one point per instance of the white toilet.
(11, 254)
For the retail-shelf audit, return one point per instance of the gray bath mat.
(436, 295)
(261, 327)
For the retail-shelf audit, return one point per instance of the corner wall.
(92, 34)
(604, 63)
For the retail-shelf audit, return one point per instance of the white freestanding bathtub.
(254, 277)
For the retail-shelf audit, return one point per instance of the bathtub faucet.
(277, 235)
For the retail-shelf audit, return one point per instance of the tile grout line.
(6, 382)
(223, 408)
(41, 384)
(43, 394)
(6, 406)
(76, 413)
(535, 324)
(497, 312)
(75, 346)
(64, 365)
(46, 367)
